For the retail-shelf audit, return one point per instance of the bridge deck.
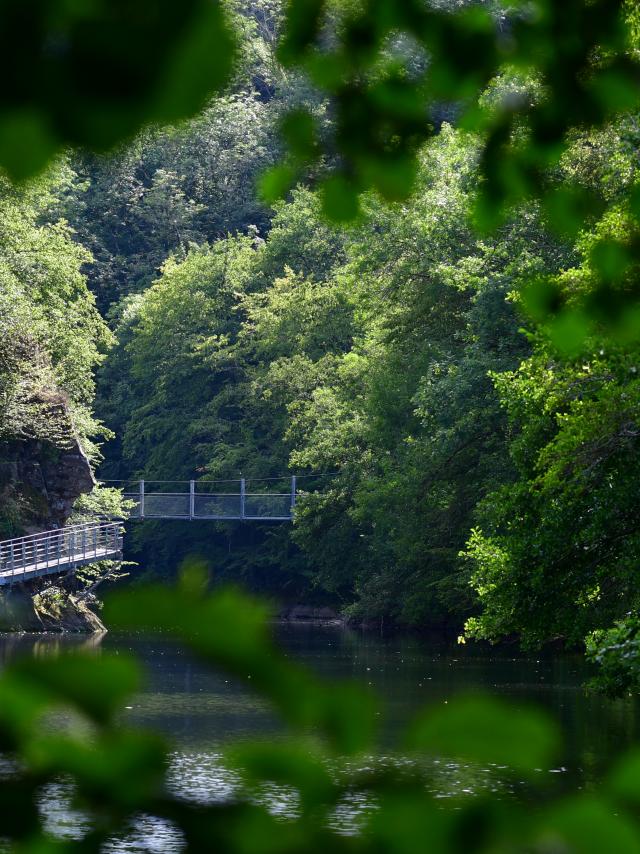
(58, 551)
(35, 570)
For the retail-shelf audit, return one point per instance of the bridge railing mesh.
(216, 506)
(203, 505)
(265, 506)
(166, 505)
(43, 552)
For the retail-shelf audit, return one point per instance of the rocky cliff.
(40, 479)
(41, 606)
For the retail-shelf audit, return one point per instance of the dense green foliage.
(463, 404)
(360, 354)
(556, 553)
(51, 335)
(385, 361)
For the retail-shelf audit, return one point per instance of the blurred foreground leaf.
(92, 73)
(98, 688)
(487, 730)
(587, 825)
(229, 630)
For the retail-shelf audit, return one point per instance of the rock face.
(23, 608)
(42, 481)
(307, 613)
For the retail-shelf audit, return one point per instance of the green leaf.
(276, 182)
(489, 731)
(340, 199)
(26, 142)
(623, 782)
(303, 19)
(97, 686)
(230, 630)
(410, 819)
(616, 87)
(18, 807)
(199, 64)
(542, 298)
(394, 178)
(567, 208)
(124, 768)
(93, 73)
(568, 331)
(611, 259)
(292, 764)
(299, 132)
(588, 825)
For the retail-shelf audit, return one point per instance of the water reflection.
(202, 712)
(48, 645)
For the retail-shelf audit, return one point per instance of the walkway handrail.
(240, 504)
(48, 533)
(53, 551)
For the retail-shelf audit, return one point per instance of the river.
(203, 712)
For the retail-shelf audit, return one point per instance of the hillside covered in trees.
(465, 460)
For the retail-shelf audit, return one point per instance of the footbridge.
(58, 551)
(65, 549)
(252, 500)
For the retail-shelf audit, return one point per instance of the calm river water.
(202, 712)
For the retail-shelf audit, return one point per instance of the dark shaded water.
(202, 712)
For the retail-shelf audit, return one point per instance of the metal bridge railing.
(191, 503)
(50, 551)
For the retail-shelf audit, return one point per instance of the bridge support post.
(243, 494)
(192, 499)
(142, 499)
(293, 493)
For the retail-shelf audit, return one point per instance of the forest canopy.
(428, 308)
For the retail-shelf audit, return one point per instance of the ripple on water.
(202, 778)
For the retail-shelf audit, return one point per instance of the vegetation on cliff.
(51, 340)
